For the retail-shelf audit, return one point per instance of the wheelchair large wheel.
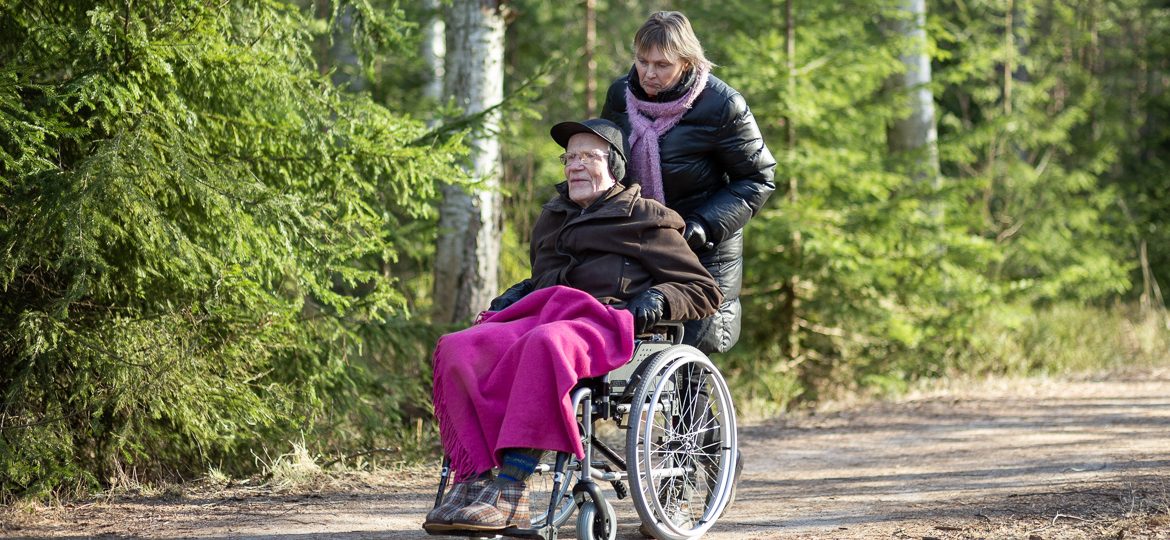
(540, 494)
(681, 445)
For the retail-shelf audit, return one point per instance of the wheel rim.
(594, 524)
(612, 530)
(682, 459)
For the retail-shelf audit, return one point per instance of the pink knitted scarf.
(649, 121)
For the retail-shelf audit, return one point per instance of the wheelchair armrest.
(597, 384)
(665, 331)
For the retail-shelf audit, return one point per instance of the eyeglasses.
(591, 157)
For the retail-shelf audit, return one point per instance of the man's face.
(587, 168)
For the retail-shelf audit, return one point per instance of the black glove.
(696, 236)
(511, 296)
(648, 308)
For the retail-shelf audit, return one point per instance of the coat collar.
(679, 90)
(619, 203)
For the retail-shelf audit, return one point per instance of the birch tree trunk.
(914, 136)
(468, 249)
(434, 49)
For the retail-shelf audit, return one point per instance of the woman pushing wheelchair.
(607, 264)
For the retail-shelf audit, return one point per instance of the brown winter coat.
(618, 248)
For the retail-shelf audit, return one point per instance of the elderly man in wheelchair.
(518, 393)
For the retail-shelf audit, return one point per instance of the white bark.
(467, 255)
(916, 132)
(434, 49)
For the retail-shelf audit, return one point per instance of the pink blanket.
(505, 382)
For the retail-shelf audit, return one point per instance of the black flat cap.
(602, 128)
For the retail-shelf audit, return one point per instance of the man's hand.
(696, 236)
(511, 296)
(648, 308)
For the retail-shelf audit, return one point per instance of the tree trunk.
(468, 249)
(1010, 59)
(347, 68)
(791, 288)
(590, 61)
(434, 49)
(434, 52)
(914, 137)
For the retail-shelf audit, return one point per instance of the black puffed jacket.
(717, 170)
(715, 165)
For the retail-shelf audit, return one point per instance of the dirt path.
(1033, 459)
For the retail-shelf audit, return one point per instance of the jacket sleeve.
(691, 293)
(750, 167)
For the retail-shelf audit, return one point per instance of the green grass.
(1065, 339)
(1008, 341)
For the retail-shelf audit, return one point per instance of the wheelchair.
(679, 453)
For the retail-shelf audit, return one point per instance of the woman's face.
(656, 72)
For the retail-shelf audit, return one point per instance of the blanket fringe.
(461, 462)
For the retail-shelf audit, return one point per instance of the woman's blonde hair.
(671, 33)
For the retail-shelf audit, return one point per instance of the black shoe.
(734, 481)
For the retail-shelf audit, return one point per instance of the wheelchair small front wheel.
(594, 523)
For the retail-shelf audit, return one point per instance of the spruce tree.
(191, 217)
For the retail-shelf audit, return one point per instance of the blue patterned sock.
(518, 464)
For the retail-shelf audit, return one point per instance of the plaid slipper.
(496, 509)
(461, 494)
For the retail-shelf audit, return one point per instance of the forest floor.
(1034, 459)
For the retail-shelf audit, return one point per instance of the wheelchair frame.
(630, 393)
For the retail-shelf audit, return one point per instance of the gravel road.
(1034, 459)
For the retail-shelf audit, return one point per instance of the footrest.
(513, 532)
(524, 533)
(464, 533)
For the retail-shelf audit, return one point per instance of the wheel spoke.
(540, 485)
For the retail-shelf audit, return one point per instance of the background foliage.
(197, 232)
(217, 222)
